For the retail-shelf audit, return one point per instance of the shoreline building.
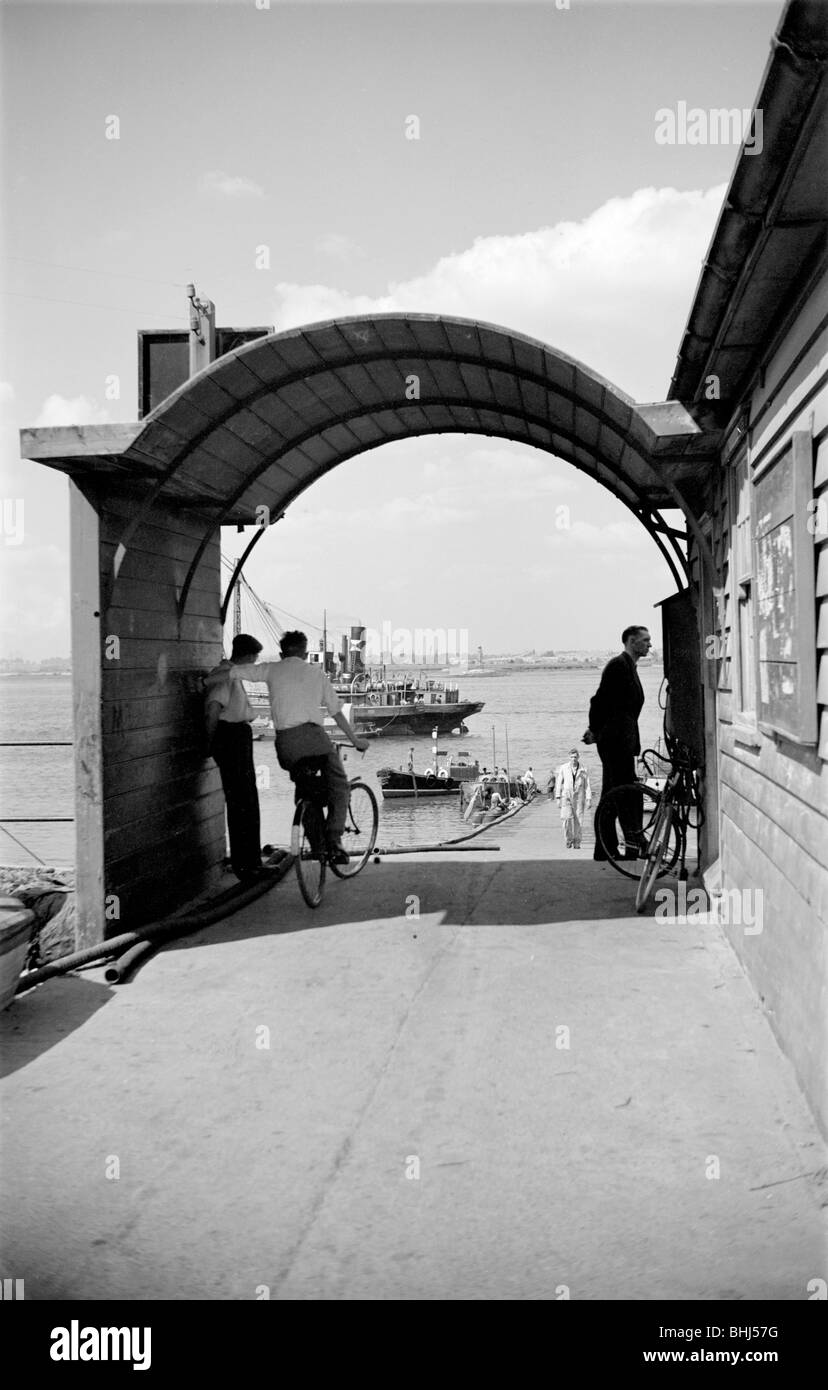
(754, 361)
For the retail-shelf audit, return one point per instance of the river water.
(543, 712)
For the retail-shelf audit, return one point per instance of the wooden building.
(754, 359)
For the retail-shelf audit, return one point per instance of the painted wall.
(773, 814)
(151, 831)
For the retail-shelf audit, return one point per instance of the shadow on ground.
(54, 1011)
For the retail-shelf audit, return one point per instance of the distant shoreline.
(504, 668)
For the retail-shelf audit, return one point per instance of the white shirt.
(298, 690)
(229, 695)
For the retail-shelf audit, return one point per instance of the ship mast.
(237, 608)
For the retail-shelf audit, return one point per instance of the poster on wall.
(785, 616)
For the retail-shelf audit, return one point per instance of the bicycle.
(636, 823)
(308, 842)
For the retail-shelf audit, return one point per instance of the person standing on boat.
(573, 793)
(228, 716)
(298, 691)
(613, 728)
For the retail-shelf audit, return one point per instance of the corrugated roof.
(772, 232)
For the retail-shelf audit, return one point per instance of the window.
(785, 598)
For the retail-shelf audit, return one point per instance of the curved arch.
(278, 413)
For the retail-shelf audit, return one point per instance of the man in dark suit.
(229, 715)
(613, 728)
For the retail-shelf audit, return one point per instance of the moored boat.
(492, 795)
(444, 778)
(405, 704)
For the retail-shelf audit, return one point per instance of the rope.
(22, 846)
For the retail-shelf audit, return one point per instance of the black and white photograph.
(414, 665)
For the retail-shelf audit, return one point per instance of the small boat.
(445, 778)
(492, 795)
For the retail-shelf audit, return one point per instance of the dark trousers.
(233, 751)
(311, 741)
(618, 769)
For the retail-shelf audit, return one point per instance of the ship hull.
(408, 719)
(414, 785)
(418, 794)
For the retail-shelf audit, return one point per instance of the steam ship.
(381, 700)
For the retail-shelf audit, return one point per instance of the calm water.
(544, 713)
(36, 781)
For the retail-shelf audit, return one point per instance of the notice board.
(785, 610)
(164, 360)
(682, 665)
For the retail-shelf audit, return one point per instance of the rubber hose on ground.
(223, 906)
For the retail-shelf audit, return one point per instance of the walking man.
(613, 728)
(573, 793)
(230, 742)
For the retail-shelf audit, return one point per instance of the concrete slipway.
(414, 1130)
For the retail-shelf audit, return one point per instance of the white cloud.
(216, 183)
(612, 540)
(612, 290)
(77, 410)
(34, 608)
(337, 246)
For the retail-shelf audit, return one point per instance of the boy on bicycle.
(298, 692)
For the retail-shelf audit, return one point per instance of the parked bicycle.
(643, 831)
(308, 841)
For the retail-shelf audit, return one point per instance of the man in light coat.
(573, 794)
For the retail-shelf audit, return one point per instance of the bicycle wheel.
(307, 844)
(659, 844)
(611, 814)
(360, 833)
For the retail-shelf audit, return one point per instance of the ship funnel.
(356, 650)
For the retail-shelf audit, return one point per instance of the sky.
(536, 197)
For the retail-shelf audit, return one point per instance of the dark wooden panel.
(155, 740)
(138, 654)
(141, 567)
(177, 518)
(147, 596)
(165, 545)
(154, 830)
(227, 446)
(233, 376)
(183, 873)
(159, 767)
(145, 712)
(449, 383)
(476, 383)
(126, 808)
(285, 423)
(253, 430)
(133, 623)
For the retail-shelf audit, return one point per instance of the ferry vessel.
(445, 777)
